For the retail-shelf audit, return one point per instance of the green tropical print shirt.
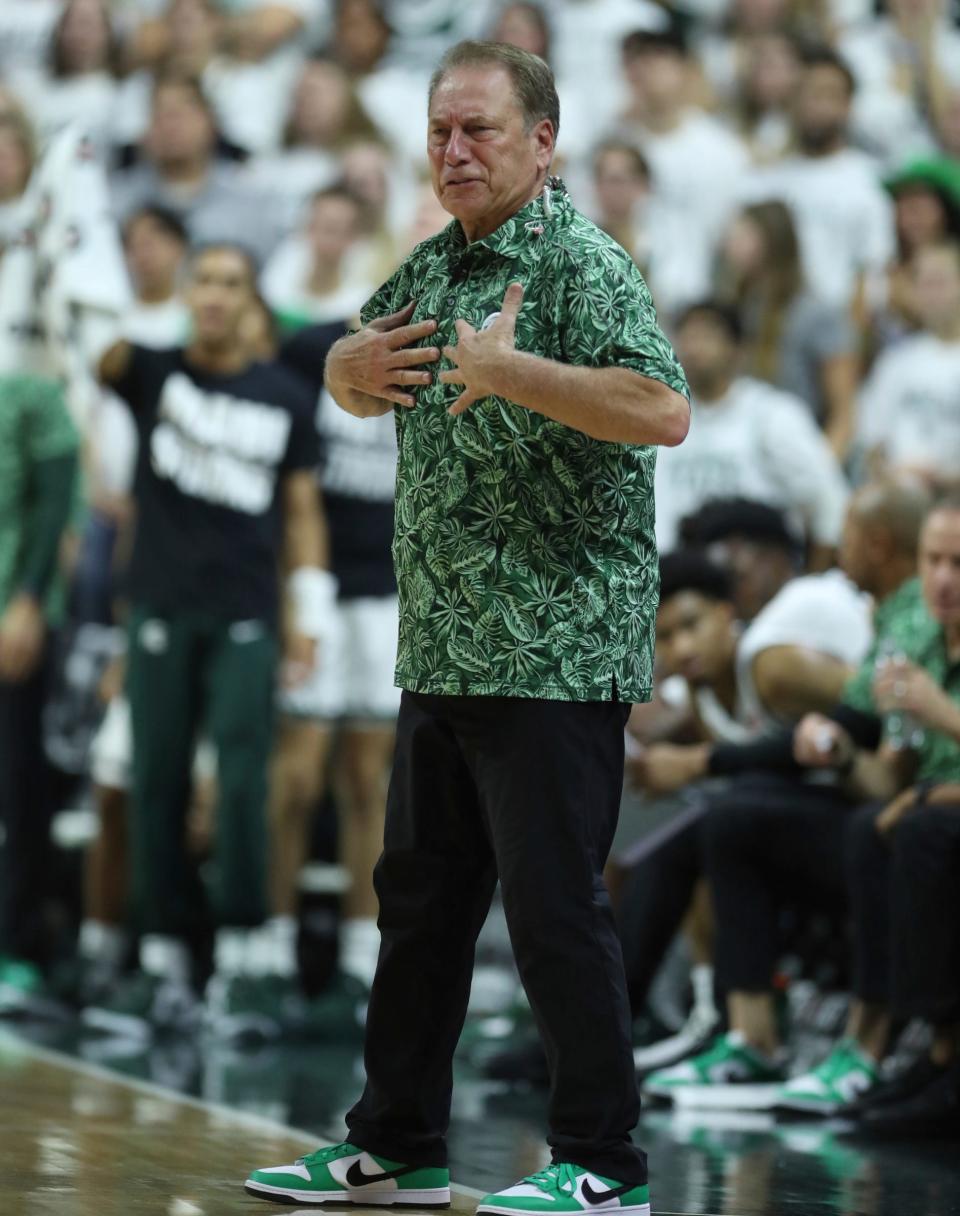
(34, 427)
(524, 550)
(903, 619)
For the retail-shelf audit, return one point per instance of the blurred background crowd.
(786, 174)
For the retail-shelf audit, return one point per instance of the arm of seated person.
(791, 681)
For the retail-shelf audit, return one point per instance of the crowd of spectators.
(786, 174)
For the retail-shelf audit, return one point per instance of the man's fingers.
(395, 319)
(453, 376)
(398, 397)
(463, 402)
(450, 352)
(412, 377)
(513, 298)
(405, 335)
(413, 356)
(463, 328)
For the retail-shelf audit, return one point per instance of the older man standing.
(527, 574)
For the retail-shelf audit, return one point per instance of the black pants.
(25, 810)
(529, 790)
(769, 841)
(664, 870)
(906, 912)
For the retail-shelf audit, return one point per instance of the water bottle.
(901, 730)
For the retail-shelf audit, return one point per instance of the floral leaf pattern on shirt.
(524, 549)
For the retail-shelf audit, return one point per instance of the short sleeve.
(610, 320)
(50, 431)
(822, 612)
(303, 445)
(145, 373)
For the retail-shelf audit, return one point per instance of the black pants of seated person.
(906, 912)
(529, 791)
(769, 842)
(664, 869)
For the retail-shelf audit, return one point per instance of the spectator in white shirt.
(180, 169)
(17, 155)
(392, 92)
(79, 81)
(794, 340)
(155, 244)
(905, 62)
(747, 440)
(844, 217)
(910, 405)
(926, 199)
(767, 81)
(323, 288)
(324, 118)
(695, 163)
(621, 185)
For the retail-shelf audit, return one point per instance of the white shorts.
(354, 673)
(111, 750)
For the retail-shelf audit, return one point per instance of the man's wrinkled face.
(484, 162)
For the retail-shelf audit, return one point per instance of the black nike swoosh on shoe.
(356, 1176)
(593, 1196)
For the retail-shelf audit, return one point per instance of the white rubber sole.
(727, 1097)
(429, 1197)
(638, 1209)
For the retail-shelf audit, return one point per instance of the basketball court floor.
(103, 1130)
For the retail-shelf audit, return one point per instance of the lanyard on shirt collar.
(536, 227)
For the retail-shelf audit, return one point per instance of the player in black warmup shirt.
(226, 491)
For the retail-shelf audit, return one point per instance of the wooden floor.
(77, 1140)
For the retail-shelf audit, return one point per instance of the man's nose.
(457, 151)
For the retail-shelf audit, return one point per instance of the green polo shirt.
(903, 619)
(524, 550)
(35, 427)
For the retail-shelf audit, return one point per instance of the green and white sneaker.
(563, 1187)
(844, 1075)
(344, 1173)
(729, 1060)
(24, 994)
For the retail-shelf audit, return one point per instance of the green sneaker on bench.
(844, 1076)
(344, 1173)
(564, 1187)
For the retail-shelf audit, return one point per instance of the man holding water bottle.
(895, 736)
(905, 944)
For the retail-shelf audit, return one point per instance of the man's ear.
(546, 139)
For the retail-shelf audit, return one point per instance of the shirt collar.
(532, 220)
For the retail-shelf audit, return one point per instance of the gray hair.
(533, 84)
